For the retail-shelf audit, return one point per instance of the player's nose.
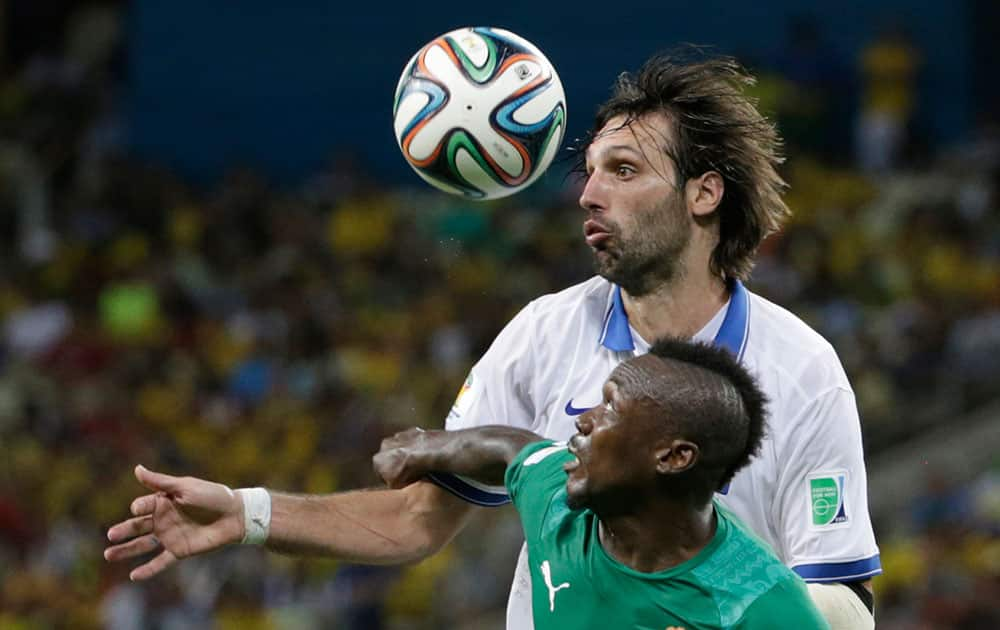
(592, 198)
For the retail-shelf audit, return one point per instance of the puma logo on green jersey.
(547, 574)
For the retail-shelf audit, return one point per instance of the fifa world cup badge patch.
(464, 399)
(827, 504)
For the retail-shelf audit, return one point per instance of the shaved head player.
(621, 527)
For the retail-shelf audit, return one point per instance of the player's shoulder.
(742, 543)
(787, 600)
(536, 453)
(781, 343)
(549, 322)
(761, 574)
(564, 317)
(588, 297)
(538, 468)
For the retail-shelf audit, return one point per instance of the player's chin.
(603, 257)
(576, 493)
(607, 264)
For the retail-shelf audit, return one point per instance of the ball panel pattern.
(477, 110)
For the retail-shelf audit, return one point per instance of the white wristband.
(256, 515)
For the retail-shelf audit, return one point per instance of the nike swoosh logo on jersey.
(575, 411)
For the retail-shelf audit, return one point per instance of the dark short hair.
(717, 127)
(728, 431)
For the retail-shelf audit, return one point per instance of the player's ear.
(704, 193)
(677, 456)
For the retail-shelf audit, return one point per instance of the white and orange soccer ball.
(479, 112)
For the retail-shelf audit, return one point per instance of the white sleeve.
(498, 390)
(821, 501)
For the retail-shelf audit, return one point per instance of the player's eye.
(624, 171)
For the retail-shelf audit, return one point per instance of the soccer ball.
(479, 112)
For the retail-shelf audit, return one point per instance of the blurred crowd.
(265, 336)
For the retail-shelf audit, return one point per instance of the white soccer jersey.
(806, 494)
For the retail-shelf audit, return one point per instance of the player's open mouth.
(595, 233)
(570, 466)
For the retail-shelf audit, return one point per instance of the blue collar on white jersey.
(732, 334)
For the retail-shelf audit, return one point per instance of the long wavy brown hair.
(717, 127)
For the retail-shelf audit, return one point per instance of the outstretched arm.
(482, 453)
(186, 516)
(368, 526)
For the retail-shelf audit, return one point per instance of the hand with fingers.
(183, 516)
(405, 457)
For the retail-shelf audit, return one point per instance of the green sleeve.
(535, 479)
(786, 605)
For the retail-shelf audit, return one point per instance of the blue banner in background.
(285, 87)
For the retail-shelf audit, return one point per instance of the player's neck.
(658, 538)
(679, 308)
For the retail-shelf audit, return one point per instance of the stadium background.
(214, 261)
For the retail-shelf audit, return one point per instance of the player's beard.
(651, 255)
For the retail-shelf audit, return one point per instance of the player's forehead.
(647, 135)
(637, 377)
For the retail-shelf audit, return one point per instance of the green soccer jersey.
(734, 582)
